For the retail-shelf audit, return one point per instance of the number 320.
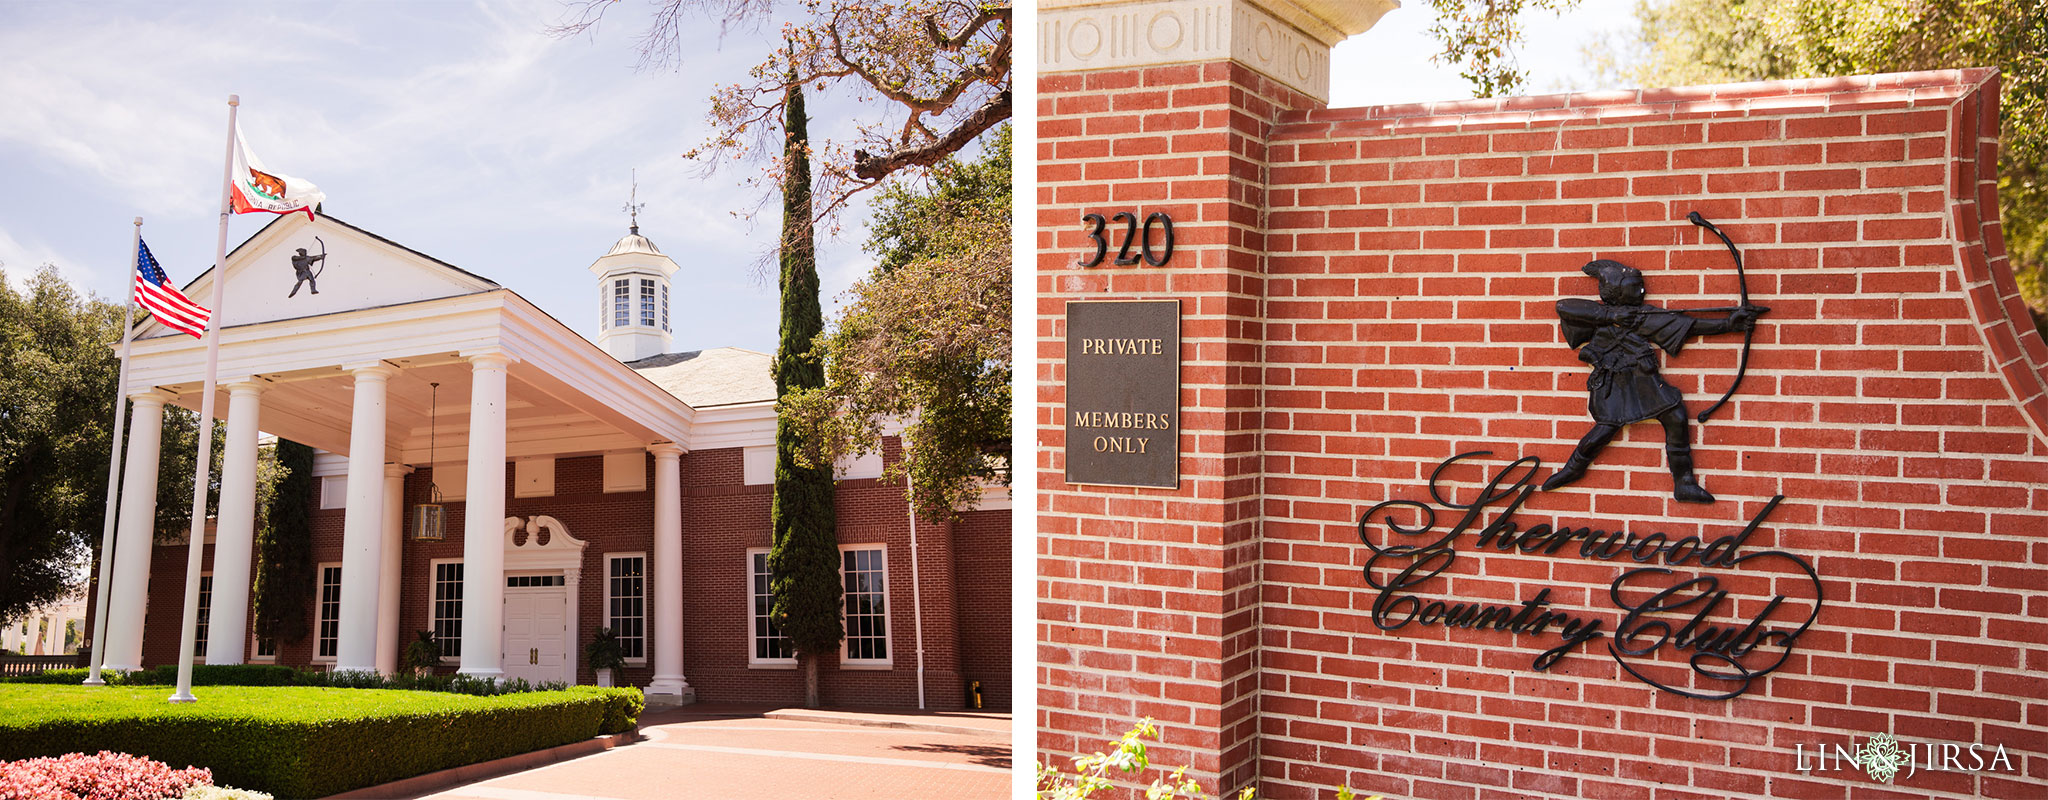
(1124, 256)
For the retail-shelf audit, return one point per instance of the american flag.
(153, 291)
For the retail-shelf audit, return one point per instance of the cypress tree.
(284, 549)
(804, 563)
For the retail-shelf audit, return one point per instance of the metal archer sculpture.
(1619, 335)
(303, 265)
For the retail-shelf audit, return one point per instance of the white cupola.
(633, 302)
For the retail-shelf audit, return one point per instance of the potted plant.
(604, 655)
(423, 654)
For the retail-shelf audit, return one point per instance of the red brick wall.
(1148, 597)
(721, 518)
(981, 562)
(1416, 253)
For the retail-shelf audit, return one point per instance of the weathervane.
(633, 207)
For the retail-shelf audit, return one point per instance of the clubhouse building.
(578, 485)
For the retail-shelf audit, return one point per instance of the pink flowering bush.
(107, 776)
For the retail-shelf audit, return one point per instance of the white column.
(573, 580)
(668, 571)
(483, 519)
(234, 540)
(387, 574)
(362, 535)
(129, 596)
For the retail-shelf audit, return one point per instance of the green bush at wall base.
(298, 741)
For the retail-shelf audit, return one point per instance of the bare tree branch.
(941, 69)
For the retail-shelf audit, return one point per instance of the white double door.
(537, 634)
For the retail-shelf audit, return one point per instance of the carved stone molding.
(1291, 46)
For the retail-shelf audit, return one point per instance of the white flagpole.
(202, 467)
(99, 620)
(916, 593)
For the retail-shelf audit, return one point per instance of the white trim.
(625, 472)
(319, 606)
(255, 651)
(433, 586)
(205, 613)
(757, 465)
(737, 425)
(752, 641)
(333, 492)
(645, 640)
(533, 477)
(888, 644)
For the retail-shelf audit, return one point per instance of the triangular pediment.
(361, 270)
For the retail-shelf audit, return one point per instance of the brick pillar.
(1149, 603)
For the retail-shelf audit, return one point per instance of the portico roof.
(384, 303)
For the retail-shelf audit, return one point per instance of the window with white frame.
(647, 302)
(205, 611)
(622, 302)
(625, 603)
(262, 648)
(448, 608)
(865, 576)
(770, 647)
(329, 629)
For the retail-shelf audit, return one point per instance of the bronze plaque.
(1123, 392)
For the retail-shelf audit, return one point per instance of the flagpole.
(202, 467)
(99, 620)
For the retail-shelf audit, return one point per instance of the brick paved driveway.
(735, 755)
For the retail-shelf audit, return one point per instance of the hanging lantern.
(428, 517)
(426, 521)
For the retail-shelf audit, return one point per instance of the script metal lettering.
(1659, 606)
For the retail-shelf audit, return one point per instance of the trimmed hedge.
(303, 742)
(622, 707)
(273, 675)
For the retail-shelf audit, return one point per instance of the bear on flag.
(255, 188)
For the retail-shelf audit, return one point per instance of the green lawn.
(296, 741)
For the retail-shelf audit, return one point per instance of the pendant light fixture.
(427, 517)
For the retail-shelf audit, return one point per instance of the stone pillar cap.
(1329, 21)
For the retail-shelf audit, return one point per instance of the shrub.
(214, 675)
(622, 707)
(603, 651)
(74, 676)
(298, 741)
(423, 653)
(106, 776)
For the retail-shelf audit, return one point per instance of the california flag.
(259, 189)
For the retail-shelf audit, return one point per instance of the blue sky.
(1390, 63)
(456, 128)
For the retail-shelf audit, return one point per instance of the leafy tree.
(1480, 37)
(56, 397)
(1711, 41)
(178, 447)
(938, 70)
(926, 339)
(804, 561)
